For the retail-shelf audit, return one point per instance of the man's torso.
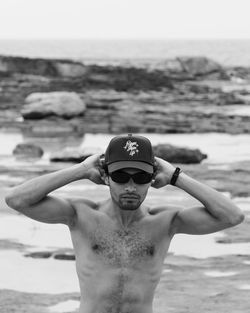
(118, 268)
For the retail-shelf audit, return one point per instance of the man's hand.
(163, 173)
(93, 170)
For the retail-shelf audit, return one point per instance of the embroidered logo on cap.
(131, 147)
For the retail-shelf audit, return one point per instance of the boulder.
(39, 255)
(199, 65)
(60, 103)
(28, 150)
(175, 154)
(74, 155)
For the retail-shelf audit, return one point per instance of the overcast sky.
(124, 19)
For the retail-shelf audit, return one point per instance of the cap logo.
(131, 147)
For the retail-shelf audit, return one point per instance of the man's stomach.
(117, 290)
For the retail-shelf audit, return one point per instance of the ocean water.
(226, 52)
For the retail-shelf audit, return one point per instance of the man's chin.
(129, 205)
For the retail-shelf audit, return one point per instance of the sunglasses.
(140, 178)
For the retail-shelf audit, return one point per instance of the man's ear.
(106, 179)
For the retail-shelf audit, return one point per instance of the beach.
(201, 273)
(173, 93)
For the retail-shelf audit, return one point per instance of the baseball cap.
(129, 151)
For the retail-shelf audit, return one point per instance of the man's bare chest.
(122, 247)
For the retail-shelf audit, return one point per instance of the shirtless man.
(120, 244)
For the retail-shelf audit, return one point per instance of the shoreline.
(194, 97)
(224, 51)
(179, 95)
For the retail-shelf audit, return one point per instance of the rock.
(39, 255)
(244, 99)
(124, 79)
(63, 104)
(199, 65)
(64, 256)
(70, 69)
(175, 96)
(172, 65)
(43, 67)
(28, 150)
(229, 99)
(175, 154)
(74, 155)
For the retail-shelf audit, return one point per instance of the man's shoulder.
(164, 216)
(78, 203)
(164, 209)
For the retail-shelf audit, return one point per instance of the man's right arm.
(32, 197)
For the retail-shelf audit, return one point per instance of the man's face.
(128, 196)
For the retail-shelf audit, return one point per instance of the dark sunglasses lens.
(120, 177)
(139, 178)
(142, 178)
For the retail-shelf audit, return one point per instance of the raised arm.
(215, 213)
(32, 197)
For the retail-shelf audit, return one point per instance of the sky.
(124, 19)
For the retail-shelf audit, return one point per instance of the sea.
(226, 52)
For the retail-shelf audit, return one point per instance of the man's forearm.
(36, 189)
(215, 203)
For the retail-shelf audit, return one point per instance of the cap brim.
(130, 164)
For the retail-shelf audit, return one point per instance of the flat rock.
(60, 103)
(28, 150)
(74, 155)
(39, 255)
(68, 256)
(43, 67)
(175, 154)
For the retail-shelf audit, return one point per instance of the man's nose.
(130, 186)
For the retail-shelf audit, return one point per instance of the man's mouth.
(130, 197)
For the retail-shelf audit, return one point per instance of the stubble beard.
(127, 204)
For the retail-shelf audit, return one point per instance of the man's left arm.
(217, 212)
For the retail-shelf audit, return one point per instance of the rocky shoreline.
(183, 95)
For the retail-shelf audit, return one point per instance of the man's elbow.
(237, 219)
(13, 202)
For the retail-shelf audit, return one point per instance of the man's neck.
(125, 218)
